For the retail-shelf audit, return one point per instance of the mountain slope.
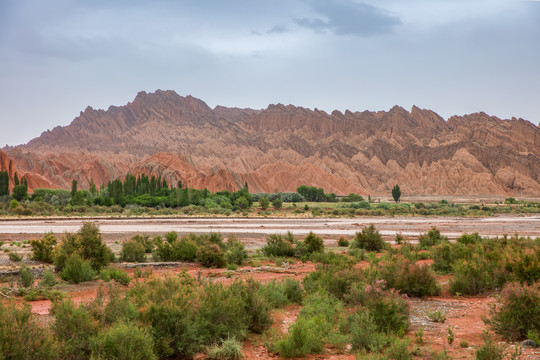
(282, 147)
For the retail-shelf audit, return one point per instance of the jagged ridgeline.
(282, 147)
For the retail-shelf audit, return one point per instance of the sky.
(454, 57)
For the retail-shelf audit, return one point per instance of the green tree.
(73, 187)
(4, 183)
(264, 202)
(396, 193)
(92, 189)
(277, 203)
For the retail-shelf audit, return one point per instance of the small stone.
(528, 343)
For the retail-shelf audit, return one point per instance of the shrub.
(229, 349)
(27, 277)
(279, 293)
(433, 237)
(369, 239)
(277, 203)
(123, 341)
(118, 275)
(184, 249)
(517, 312)
(278, 245)
(313, 243)
(398, 350)
(343, 242)
(21, 337)
(48, 279)
(474, 276)
(335, 281)
(43, 248)
(264, 202)
(490, 350)
(73, 326)
(87, 243)
(524, 265)
(437, 316)
(443, 256)
(211, 256)
(364, 332)
(318, 318)
(77, 270)
(133, 251)
(236, 252)
(145, 240)
(13, 256)
(410, 278)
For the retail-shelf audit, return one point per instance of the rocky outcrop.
(284, 146)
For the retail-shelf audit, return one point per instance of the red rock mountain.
(282, 147)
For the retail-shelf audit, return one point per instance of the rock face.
(282, 147)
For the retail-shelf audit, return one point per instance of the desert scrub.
(228, 349)
(408, 277)
(517, 312)
(77, 270)
(118, 275)
(280, 293)
(26, 277)
(279, 245)
(368, 239)
(313, 243)
(13, 256)
(333, 280)
(123, 341)
(42, 249)
(431, 238)
(320, 317)
(87, 244)
(133, 251)
(211, 256)
(235, 252)
(21, 337)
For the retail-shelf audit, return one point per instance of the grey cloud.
(345, 17)
(278, 29)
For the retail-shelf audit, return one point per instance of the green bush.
(368, 239)
(490, 350)
(48, 279)
(517, 312)
(342, 242)
(409, 278)
(474, 276)
(123, 341)
(364, 332)
(279, 293)
(74, 327)
(433, 237)
(133, 251)
(319, 318)
(21, 337)
(13, 256)
(229, 349)
(184, 249)
(335, 281)
(398, 350)
(524, 264)
(313, 243)
(118, 275)
(278, 245)
(236, 252)
(77, 270)
(211, 256)
(27, 277)
(43, 248)
(87, 243)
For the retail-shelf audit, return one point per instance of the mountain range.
(283, 146)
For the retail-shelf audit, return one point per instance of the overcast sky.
(452, 56)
